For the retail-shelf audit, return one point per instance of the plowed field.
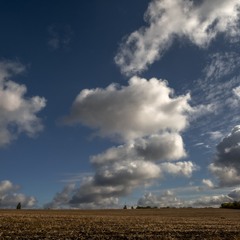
(121, 224)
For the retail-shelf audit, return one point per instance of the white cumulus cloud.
(179, 168)
(148, 119)
(142, 108)
(162, 147)
(17, 112)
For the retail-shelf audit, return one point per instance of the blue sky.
(114, 102)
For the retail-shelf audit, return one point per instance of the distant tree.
(233, 205)
(19, 206)
(125, 206)
(146, 207)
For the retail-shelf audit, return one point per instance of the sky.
(107, 103)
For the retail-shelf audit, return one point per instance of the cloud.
(208, 183)
(117, 177)
(235, 194)
(236, 92)
(221, 65)
(114, 180)
(120, 170)
(9, 198)
(60, 37)
(142, 108)
(17, 112)
(234, 101)
(226, 163)
(61, 199)
(148, 119)
(92, 197)
(215, 135)
(217, 88)
(170, 19)
(162, 147)
(179, 168)
(220, 74)
(6, 186)
(210, 201)
(167, 199)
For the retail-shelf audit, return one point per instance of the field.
(121, 224)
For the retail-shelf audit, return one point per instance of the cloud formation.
(120, 170)
(9, 198)
(142, 108)
(148, 119)
(120, 177)
(115, 180)
(226, 165)
(169, 19)
(17, 112)
(163, 147)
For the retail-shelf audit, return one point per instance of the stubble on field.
(120, 224)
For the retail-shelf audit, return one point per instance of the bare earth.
(121, 224)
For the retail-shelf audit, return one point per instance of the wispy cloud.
(215, 135)
(217, 88)
(220, 77)
(221, 65)
(60, 37)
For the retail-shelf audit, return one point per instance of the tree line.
(232, 205)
